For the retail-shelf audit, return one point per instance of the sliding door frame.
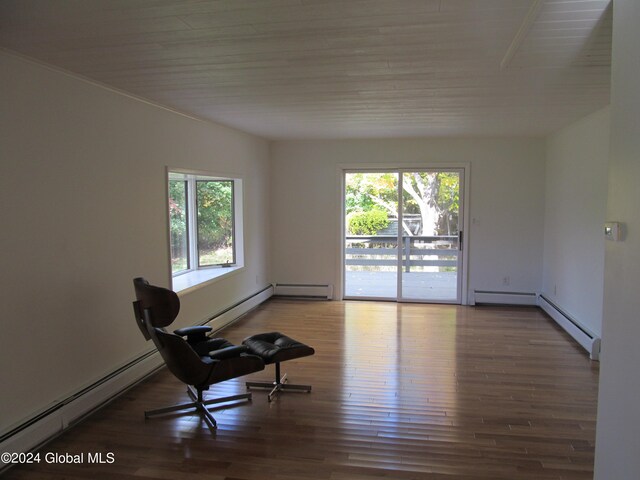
(463, 274)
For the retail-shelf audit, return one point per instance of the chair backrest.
(162, 303)
(181, 358)
(156, 308)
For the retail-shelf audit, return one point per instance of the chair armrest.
(195, 335)
(228, 352)
(187, 331)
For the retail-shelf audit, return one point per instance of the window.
(204, 237)
(178, 216)
(214, 207)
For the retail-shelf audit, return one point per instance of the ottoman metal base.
(279, 385)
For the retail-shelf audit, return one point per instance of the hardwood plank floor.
(400, 391)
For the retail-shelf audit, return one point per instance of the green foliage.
(214, 200)
(448, 191)
(367, 223)
(448, 201)
(365, 191)
(177, 205)
(437, 192)
(215, 214)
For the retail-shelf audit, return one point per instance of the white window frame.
(197, 275)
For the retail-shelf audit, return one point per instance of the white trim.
(303, 290)
(196, 275)
(234, 312)
(581, 334)
(466, 235)
(399, 242)
(199, 174)
(340, 280)
(192, 280)
(192, 227)
(504, 298)
(464, 168)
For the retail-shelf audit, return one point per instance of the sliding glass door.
(403, 236)
(371, 240)
(430, 237)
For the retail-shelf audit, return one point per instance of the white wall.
(83, 211)
(576, 198)
(506, 204)
(618, 427)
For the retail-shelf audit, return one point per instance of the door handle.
(460, 236)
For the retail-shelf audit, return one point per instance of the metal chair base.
(198, 404)
(279, 385)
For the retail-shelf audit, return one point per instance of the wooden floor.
(400, 391)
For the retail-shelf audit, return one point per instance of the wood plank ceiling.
(286, 69)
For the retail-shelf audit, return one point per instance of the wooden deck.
(371, 267)
(400, 391)
(430, 286)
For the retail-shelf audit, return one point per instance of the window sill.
(198, 278)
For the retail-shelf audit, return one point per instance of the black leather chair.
(196, 360)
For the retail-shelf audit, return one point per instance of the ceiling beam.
(522, 33)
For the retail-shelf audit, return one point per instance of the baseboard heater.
(303, 291)
(237, 310)
(504, 298)
(587, 339)
(42, 427)
(65, 413)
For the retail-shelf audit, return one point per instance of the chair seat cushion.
(228, 352)
(204, 348)
(274, 347)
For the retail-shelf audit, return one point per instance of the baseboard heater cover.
(586, 338)
(303, 290)
(44, 426)
(235, 311)
(504, 298)
(41, 428)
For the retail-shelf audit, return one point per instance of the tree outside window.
(201, 222)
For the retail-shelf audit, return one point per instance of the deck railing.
(417, 251)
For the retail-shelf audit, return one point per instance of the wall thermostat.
(612, 231)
